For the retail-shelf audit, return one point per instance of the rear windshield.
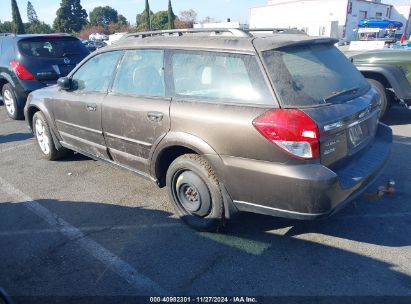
(49, 47)
(311, 75)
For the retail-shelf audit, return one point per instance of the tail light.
(292, 131)
(21, 71)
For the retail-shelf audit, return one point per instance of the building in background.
(332, 18)
(402, 13)
(226, 24)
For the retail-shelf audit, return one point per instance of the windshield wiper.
(351, 91)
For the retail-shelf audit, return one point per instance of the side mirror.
(64, 83)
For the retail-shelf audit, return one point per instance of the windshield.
(310, 75)
(49, 47)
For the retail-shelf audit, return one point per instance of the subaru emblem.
(66, 60)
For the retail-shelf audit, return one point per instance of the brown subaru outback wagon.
(268, 121)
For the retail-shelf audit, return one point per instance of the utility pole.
(149, 20)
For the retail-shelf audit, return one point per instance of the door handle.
(155, 116)
(92, 107)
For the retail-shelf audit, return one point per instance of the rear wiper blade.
(351, 91)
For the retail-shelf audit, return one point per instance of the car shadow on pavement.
(74, 157)
(255, 255)
(397, 115)
(14, 137)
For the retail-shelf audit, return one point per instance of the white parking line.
(142, 284)
(402, 143)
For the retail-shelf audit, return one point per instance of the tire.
(14, 111)
(195, 192)
(44, 139)
(385, 100)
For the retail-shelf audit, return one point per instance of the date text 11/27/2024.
(203, 300)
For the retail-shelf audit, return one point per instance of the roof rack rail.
(180, 32)
(236, 32)
(277, 30)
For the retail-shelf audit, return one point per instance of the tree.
(189, 16)
(70, 17)
(186, 19)
(141, 22)
(6, 27)
(144, 19)
(37, 28)
(159, 21)
(170, 16)
(119, 28)
(31, 13)
(18, 26)
(103, 16)
(183, 24)
(122, 20)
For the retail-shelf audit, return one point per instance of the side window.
(219, 76)
(95, 75)
(140, 73)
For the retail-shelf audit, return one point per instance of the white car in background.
(115, 37)
(98, 36)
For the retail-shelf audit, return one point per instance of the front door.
(136, 111)
(77, 111)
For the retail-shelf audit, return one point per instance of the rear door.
(136, 112)
(77, 112)
(321, 81)
(50, 57)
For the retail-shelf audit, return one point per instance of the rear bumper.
(305, 191)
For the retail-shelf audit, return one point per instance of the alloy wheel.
(9, 102)
(42, 137)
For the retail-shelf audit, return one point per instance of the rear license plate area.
(359, 133)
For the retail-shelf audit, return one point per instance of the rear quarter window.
(221, 77)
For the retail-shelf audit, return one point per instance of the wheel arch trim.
(188, 141)
(7, 78)
(39, 107)
(393, 74)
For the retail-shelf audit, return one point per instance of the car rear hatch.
(317, 79)
(50, 57)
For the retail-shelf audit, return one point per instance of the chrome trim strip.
(279, 210)
(80, 127)
(341, 125)
(362, 119)
(134, 141)
(335, 125)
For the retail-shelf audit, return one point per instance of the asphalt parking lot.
(79, 227)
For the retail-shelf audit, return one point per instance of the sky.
(237, 10)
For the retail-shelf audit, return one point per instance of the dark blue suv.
(31, 62)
